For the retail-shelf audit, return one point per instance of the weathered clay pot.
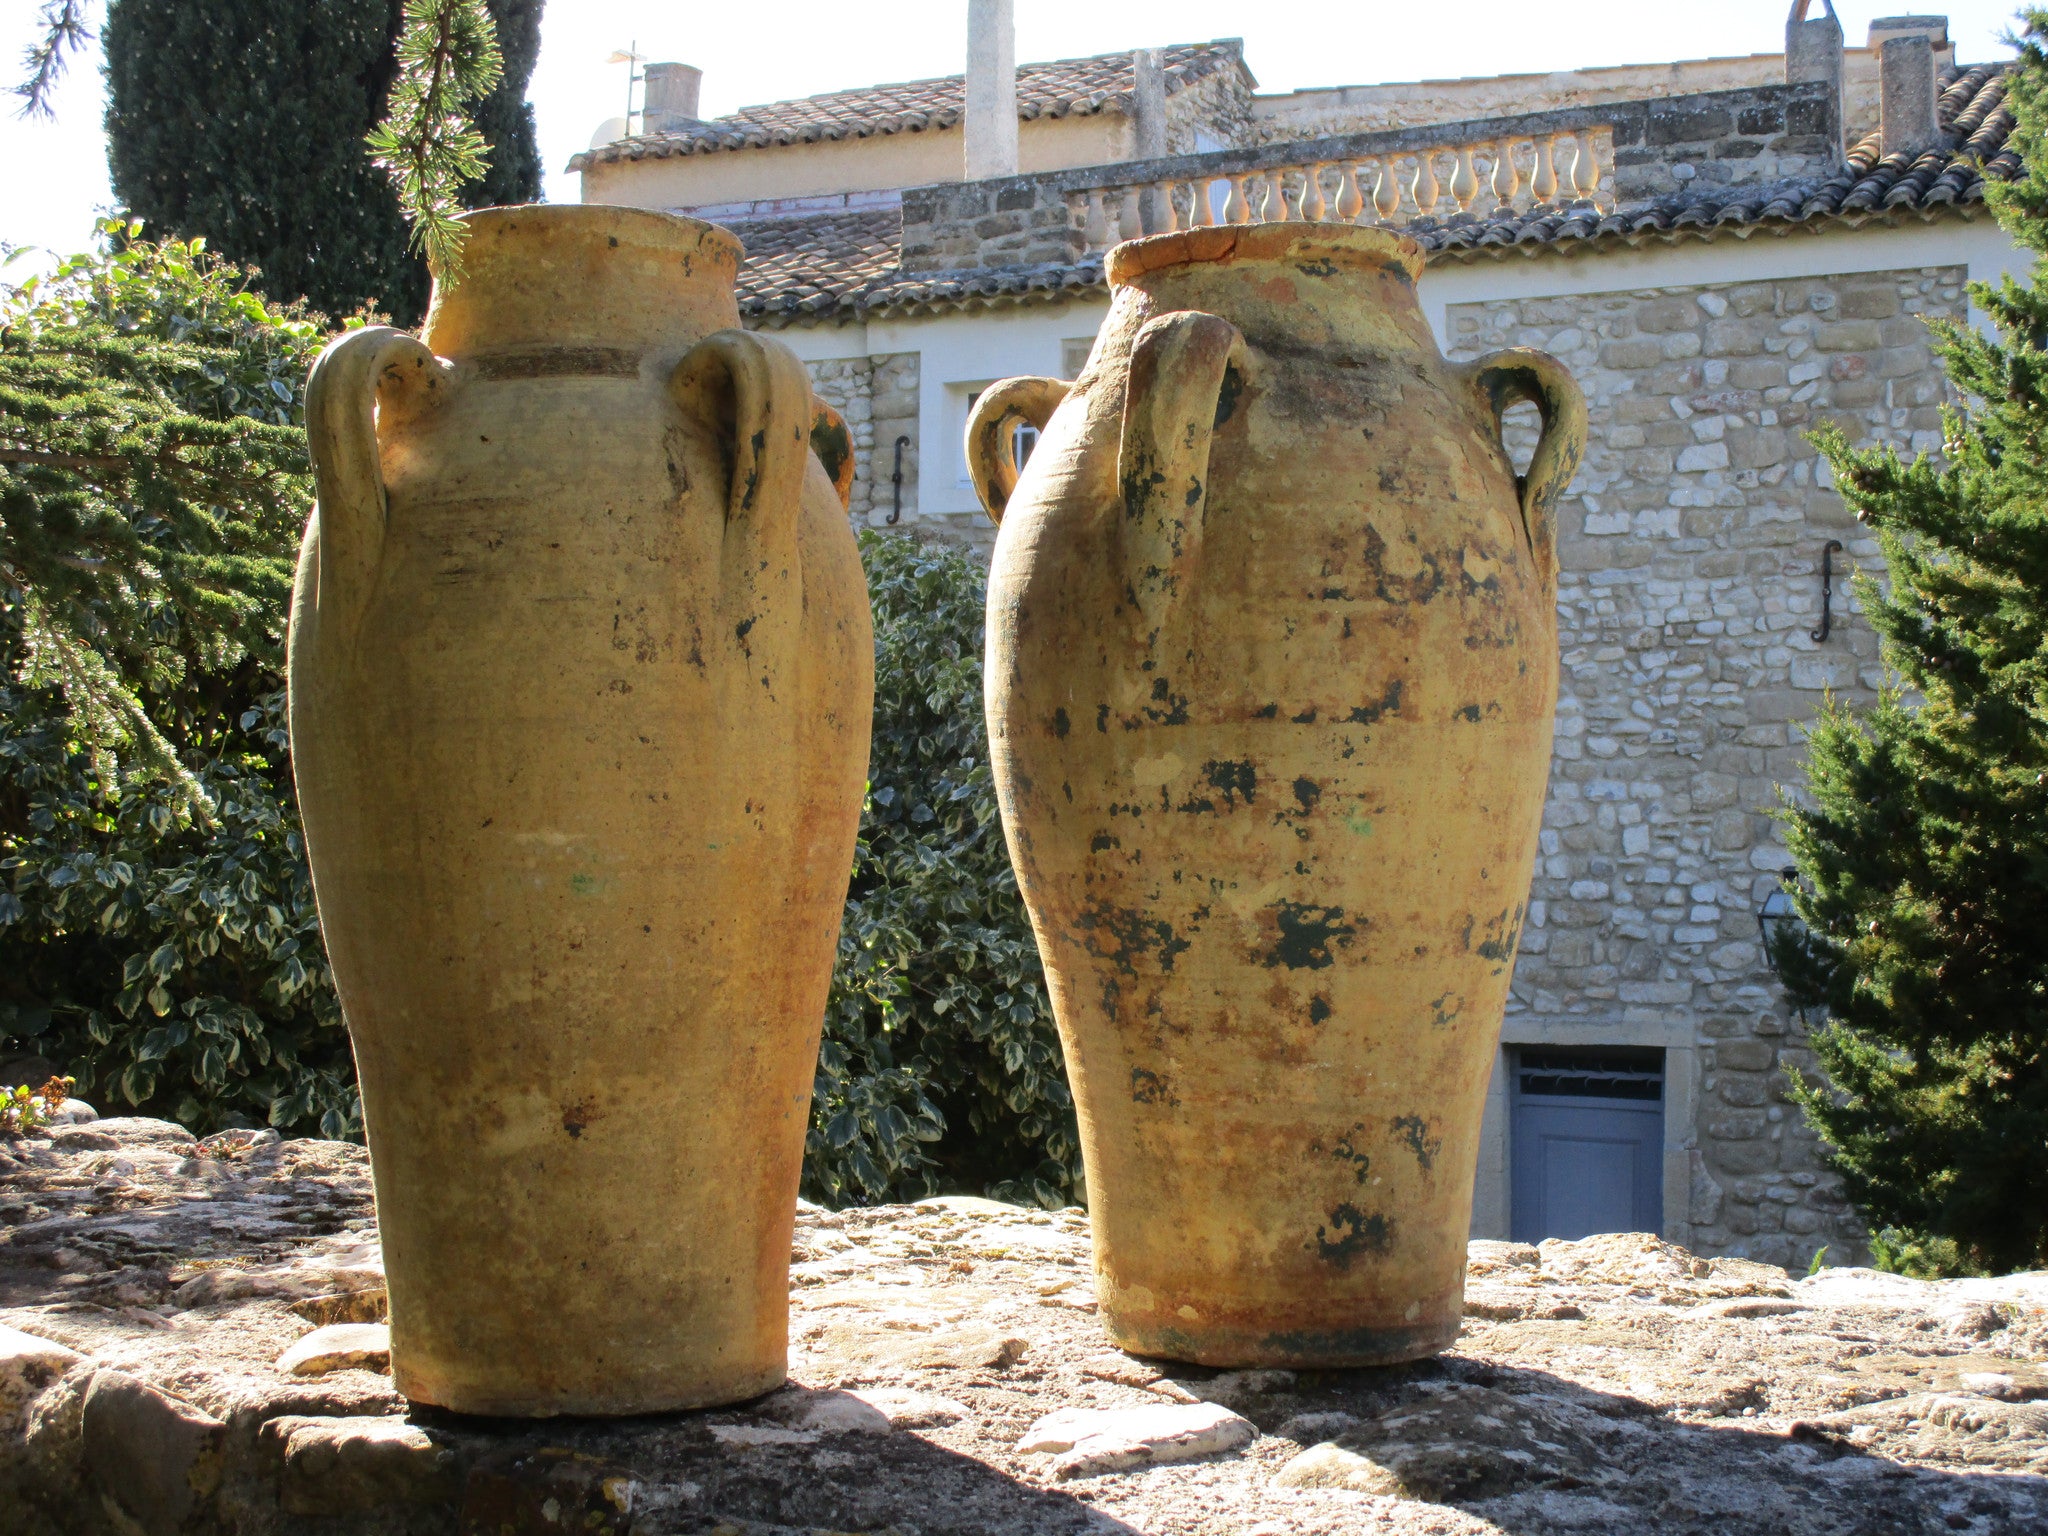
(581, 673)
(1272, 661)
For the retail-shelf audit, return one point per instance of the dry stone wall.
(192, 1341)
(1690, 556)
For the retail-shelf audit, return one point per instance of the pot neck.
(585, 275)
(1333, 286)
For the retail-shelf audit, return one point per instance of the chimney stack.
(670, 96)
(991, 121)
(1813, 49)
(1148, 129)
(1148, 98)
(1906, 91)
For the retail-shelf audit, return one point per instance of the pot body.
(1272, 665)
(581, 674)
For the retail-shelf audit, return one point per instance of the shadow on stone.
(1536, 1454)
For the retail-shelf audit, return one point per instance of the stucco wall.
(881, 163)
(1365, 108)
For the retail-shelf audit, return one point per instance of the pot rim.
(1260, 242)
(645, 227)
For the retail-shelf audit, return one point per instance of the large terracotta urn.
(1272, 662)
(581, 672)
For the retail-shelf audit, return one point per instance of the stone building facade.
(878, 398)
(1689, 598)
(1729, 255)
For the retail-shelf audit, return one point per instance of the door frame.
(1492, 1190)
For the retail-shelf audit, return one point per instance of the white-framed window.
(1023, 436)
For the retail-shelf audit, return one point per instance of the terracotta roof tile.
(1100, 83)
(847, 263)
(1973, 114)
(813, 263)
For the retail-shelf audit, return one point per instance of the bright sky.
(53, 176)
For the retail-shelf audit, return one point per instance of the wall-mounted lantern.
(1776, 912)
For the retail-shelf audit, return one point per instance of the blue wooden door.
(1586, 1150)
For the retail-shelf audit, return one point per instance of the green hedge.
(941, 1069)
(158, 938)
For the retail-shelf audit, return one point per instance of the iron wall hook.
(896, 512)
(1827, 590)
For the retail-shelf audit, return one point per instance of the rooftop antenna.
(630, 56)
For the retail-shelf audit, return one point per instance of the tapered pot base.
(1299, 1349)
(522, 1401)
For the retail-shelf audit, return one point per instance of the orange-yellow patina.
(1272, 662)
(581, 674)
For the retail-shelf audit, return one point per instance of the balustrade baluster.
(1135, 214)
(1543, 186)
(1204, 208)
(1096, 226)
(1350, 200)
(1386, 195)
(1424, 190)
(1313, 207)
(1507, 176)
(1272, 204)
(1464, 180)
(1585, 173)
(1169, 198)
(1237, 209)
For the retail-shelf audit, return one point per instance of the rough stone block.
(28, 1365)
(1676, 313)
(1090, 1441)
(1873, 303)
(151, 1454)
(1734, 336)
(1744, 1055)
(1740, 1157)
(344, 1466)
(1633, 354)
(339, 1347)
(1673, 123)
(1743, 1090)
(1849, 336)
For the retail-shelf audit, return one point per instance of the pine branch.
(427, 144)
(77, 461)
(64, 32)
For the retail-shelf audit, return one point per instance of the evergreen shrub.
(941, 1069)
(1924, 849)
(158, 938)
(157, 932)
(245, 121)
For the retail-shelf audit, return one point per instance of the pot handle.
(1177, 397)
(990, 464)
(754, 387)
(1506, 378)
(364, 376)
(833, 445)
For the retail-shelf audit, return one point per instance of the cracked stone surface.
(948, 1375)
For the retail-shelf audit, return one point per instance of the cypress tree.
(1924, 850)
(244, 121)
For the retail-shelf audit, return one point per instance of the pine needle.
(63, 32)
(447, 58)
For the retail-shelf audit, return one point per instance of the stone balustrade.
(1515, 173)
(1610, 156)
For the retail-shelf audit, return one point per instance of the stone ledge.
(949, 1377)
